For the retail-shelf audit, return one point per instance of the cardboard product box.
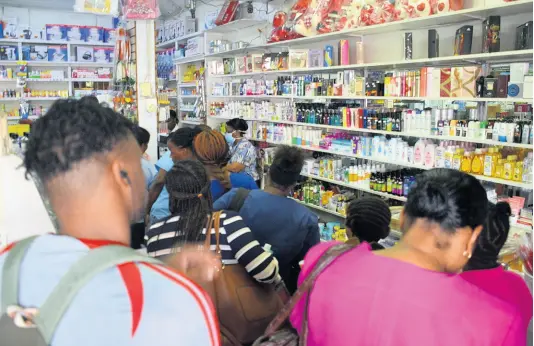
(9, 53)
(240, 64)
(490, 87)
(110, 35)
(463, 81)
(257, 62)
(315, 58)
(502, 85)
(266, 62)
(75, 33)
(249, 64)
(190, 26)
(518, 70)
(85, 54)
(195, 46)
(57, 53)
(38, 53)
(445, 82)
(95, 34)
(229, 65)
(434, 89)
(298, 58)
(103, 72)
(423, 85)
(78, 73)
(56, 32)
(103, 54)
(527, 87)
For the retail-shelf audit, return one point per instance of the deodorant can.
(328, 56)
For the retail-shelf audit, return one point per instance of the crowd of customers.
(441, 284)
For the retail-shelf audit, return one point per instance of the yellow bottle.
(490, 163)
(477, 166)
(466, 163)
(457, 158)
(518, 171)
(509, 166)
(499, 169)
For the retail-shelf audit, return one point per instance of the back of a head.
(183, 137)
(287, 166)
(210, 147)
(142, 135)
(73, 131)
(492, 238)
(447, 197)
(238, 124)
(368, 219)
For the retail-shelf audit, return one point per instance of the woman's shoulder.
(243, 180)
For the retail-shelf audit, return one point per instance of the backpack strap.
(79, 274)
(239, 199)
(11, 273)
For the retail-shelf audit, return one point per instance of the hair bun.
(503, 208)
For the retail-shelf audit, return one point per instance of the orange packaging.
(445, 82)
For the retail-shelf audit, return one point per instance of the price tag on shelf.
(389, 104)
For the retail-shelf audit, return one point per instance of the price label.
(389, 103)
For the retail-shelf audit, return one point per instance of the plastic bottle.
(430, 155)
(477, 165)
(466, 163)
(499, 169)
(518, 171)
(419, 151)
(490, 163)
(449, 154)
(457, 158)
(509, 166)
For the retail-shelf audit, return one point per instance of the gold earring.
(467, 254)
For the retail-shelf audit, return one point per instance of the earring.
(467, 254)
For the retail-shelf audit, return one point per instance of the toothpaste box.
(85, 54)
(75, 33)
(110, 35)
(57, 53)
(56, 32)
(95, 34)
(104, 54)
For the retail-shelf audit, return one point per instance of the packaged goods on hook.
(141, 9)
(107, 7)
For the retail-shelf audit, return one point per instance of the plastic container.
(457, 158)
(509, 166)
(467, 160)
(518, 171)
(477, 165)
(499, 169)
(490, 163)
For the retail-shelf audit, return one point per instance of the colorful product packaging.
(75, 33)
(94, 34)
(298, 58)
(445, 82)
(104, 54)
(56, 32)
(249, 64)
(315, 58)
(57, 53)
(241, 64)
(85, 54)
(38, 53)
(110, 35)
(344, 57)
(468, 77)
(328, 56)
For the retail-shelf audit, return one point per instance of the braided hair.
(189, 197)
(368, 219)
(211, 149)
(492, 238)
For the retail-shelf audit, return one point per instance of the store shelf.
(479, 58)
(187, 85)
(31, 117)
(43, 98)
(192, 122)
(232, 52)
(95, 80)
(429, 22)
(391, 133)
(90, 64)
(73, 43)
(236, 25)
(313, 206)
(48, 80)
(355, 187)
(171, 43)
(527, 186)
(5, 80)
(252, 97)
(57, 63)
(189, 96)
(189, 59)
(187, 109)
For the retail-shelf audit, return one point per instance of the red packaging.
(227, 13)
(445, 82)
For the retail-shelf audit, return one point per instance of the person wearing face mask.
(242, 152)
(87, 158)
(289, 228)
(415, 284)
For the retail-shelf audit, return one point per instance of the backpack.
(25, 326)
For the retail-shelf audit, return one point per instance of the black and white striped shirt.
(236, 242)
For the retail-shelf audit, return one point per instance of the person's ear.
(122, 178)
(473, 239)
(402, 220)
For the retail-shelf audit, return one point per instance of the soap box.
(94, 34)
(445, 82)
(110, 35)
(104, 54)
(85, 54)
(38, 53)
(56, 32)
(75, 33)
(57, 53)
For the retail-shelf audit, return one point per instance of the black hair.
(368, 219)
(142, 135)
(286, 167)
(70, 132)
(183, 137)
(238, 124)
(448, 197)
(492, 238)
(91, 98)
(173, 115)
(189, 197)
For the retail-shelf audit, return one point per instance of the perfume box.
(523, 36)
(257, 62)
(463, 40)
(467, 77)
(241, 64)
(298, 58)
(315, 58)
(515, 90)
(408, 37)
(502, 85)
(490, 87)
(445, 82)
(518, 70)
(434, 85)
(491, 39)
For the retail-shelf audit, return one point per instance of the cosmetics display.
(314, 193)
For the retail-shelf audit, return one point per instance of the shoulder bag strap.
(239, 199)
(324, 261)
(11, 273)
(216, 226)
(80, 273)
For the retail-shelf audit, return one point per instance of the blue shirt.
(149, 172)
(160, 208)
(236, 180)
(289, 227)
(134, 304)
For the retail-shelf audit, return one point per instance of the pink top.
(507, 286)
(365, 299)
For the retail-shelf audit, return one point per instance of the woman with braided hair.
(190, 203)
(211, 149)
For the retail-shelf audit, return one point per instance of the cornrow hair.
(368, 218)
(189, 197)
(70, 132)
(492, 238)
(211, 149)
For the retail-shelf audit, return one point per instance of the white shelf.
(355, 187)
(190, 59)
(44, 98)
(171, 43)
(236, 25)
(47, 80)
(501, 9)
(505, 57)
(189, 96)
(187, 109)
(252, 97)
(31, 117)
(5, 80)
(527, 186)
(91, 64)
(73, 43)
(187, 85)
(391, 133)
(56, 63)
(192, 122)
(231, 52)
(313, 206)
(107, 80)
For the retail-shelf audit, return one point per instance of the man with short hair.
(88, 160)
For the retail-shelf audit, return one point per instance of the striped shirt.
(236, 242)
